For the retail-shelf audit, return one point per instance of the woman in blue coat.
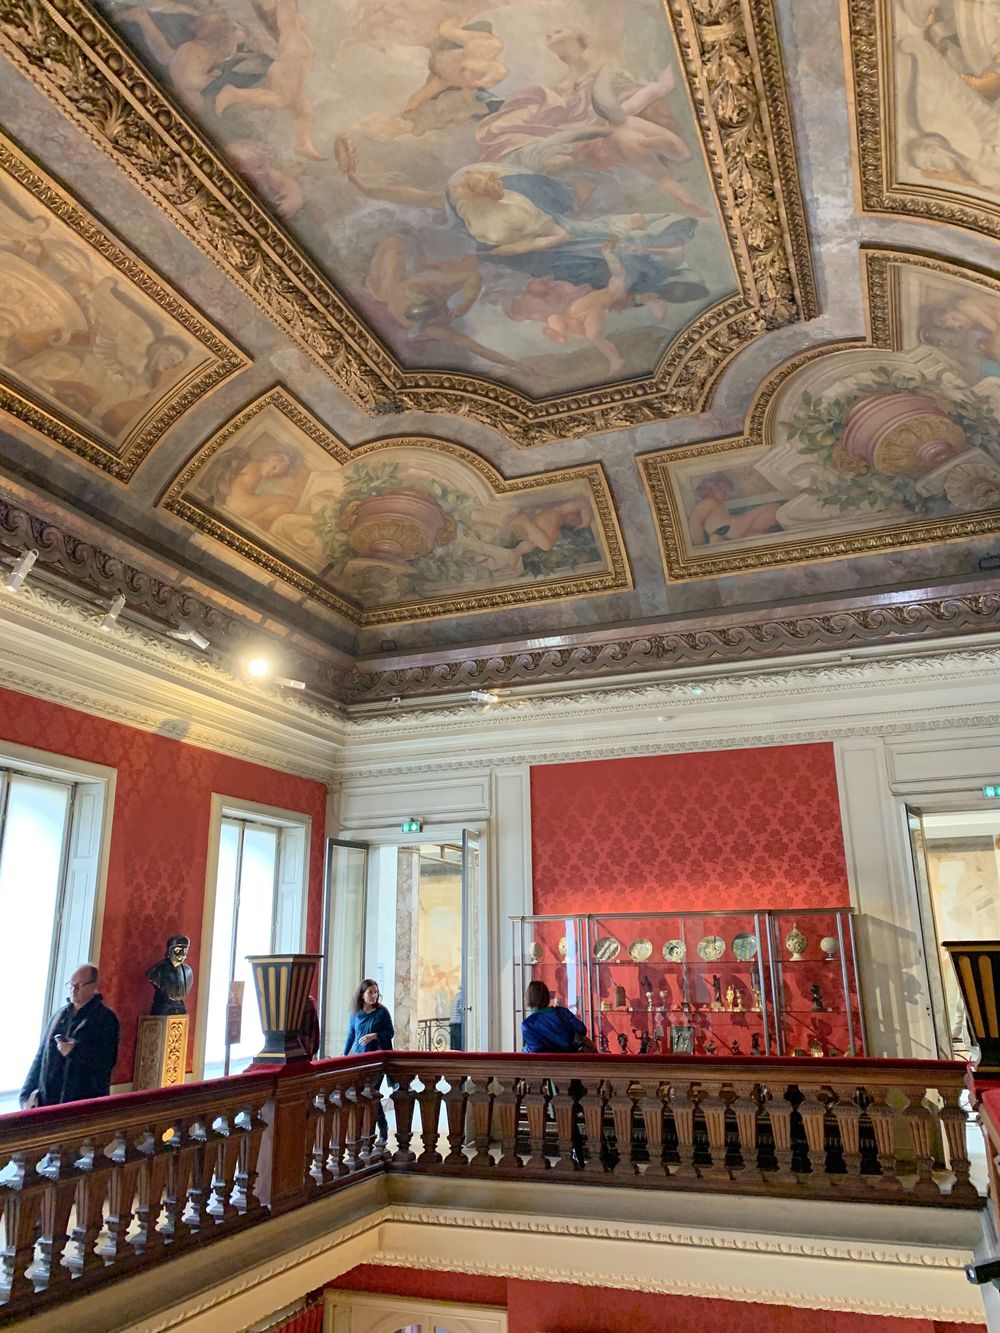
(370, 1029)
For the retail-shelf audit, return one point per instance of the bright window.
(259, 907)
(50, 840)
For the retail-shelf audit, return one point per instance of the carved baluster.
(813, 1113)
(337, 1143)
(221, 1204)
(683, 1100)
(534, 1107)
(252, 1125)
(920, 1120)
(175, 1183)
(847, 1114)
(23, 1195)
(352, 1130)
(506, 1106)
(368, 1099)
(713, 1108)
(57, 1204)
(455, 1106)
(121, 1192)
(621, 1113)
(883, 1121)
(954, 1119)
(779, 1113)
(651, 1106)
(563, 1108)
(746, 1108)
(592, 1104)
(202, 1164)
(321, 1116)
(429, 1101)
(480, 1104)
(403, 1098)
(153, 1162)
(89, 1204)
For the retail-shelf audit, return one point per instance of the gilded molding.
(223, 358)
(177, 499)
(869, 30)
(734, 70)
(881, 275)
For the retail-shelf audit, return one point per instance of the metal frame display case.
(697, 983)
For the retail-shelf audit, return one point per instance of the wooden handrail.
(94, 1190)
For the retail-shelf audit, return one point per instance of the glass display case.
(725, 983)
(552, 949)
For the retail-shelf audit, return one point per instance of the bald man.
(79, 1048)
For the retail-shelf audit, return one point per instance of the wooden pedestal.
(160, 1051)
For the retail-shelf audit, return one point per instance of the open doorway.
(420, 911)
(957, 859)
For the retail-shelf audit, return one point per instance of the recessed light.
(258, 667)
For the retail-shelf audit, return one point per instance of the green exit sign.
(412, 825)
(992, 791)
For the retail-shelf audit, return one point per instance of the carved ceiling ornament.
(926, 81)
(398, 529)
(737, 93)
(852, 448)
(97, 354)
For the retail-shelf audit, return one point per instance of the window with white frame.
(257, 897)
(52, 827)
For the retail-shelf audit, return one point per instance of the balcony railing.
(94, 1190)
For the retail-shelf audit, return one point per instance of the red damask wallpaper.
(159, 839)
(558, 1307)
(689, 832)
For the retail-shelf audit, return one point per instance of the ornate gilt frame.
(732, 58)
(176, 500)
(881, 271)
(225, 358)
(869, 40)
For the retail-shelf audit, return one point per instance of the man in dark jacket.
(79, 1048)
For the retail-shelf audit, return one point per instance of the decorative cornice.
(732, 62)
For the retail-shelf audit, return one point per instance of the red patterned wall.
(686, 832)
(558, 1307)
(159, 839)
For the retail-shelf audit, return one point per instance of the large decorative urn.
(901, 434)
(282, 982)
(977, 966)
(398, 526)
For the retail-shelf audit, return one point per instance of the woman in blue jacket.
(370, 1029)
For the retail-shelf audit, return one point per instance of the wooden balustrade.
(93, 1190)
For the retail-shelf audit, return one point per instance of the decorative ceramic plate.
(711, 948)
(534, 952)
(606, 950)
(745, 948)
(561, 947)
(674, 951)
(640, 950)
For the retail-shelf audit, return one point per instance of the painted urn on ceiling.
(399, 526)
(901, 434)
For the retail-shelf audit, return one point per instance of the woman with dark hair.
(549, 1027)
(370, 1029)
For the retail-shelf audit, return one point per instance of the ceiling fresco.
(397, 529)
(851, 450)
(928, 79)
(286, 289)
(95, 353)
(551, 209)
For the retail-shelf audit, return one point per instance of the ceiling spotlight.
(19, 573)
(258, 667)
(483, 697)
(186, 633)
(114, 611)
(291, 684)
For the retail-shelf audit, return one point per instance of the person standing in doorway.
(370, 1029)
(79, 1048)
(456, 1021)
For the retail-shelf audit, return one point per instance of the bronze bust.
(171, 977)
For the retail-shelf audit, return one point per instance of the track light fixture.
(291, 684)
(114, 611)
(483, 697)
(22, 567)
(188, 634)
